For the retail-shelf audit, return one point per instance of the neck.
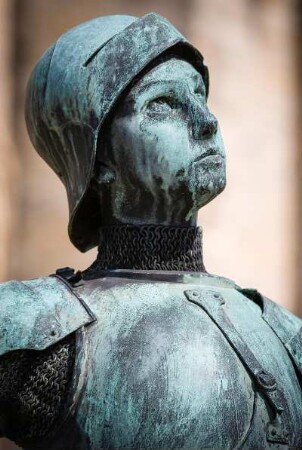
(148, 247)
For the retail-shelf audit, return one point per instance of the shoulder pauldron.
(38, 313)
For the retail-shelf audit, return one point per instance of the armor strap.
(212, 303)
(284, 324)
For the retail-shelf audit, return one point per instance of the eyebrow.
(197, 79)
(150, 84)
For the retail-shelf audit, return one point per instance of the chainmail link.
(149, 247)
(34, 385)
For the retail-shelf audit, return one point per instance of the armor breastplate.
(161, 374)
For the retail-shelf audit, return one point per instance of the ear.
(103, 175)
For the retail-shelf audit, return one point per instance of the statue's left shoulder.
(286, 325)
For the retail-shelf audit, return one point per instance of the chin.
(206, 184)
(201, 199)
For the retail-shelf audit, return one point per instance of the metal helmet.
(73, 88)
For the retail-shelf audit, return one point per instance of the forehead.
(173, 70)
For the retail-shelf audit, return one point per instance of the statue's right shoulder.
(38, 313)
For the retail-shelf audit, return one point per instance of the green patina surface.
(66, 109)
(159, 372)
(118, 108)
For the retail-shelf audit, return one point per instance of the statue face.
(165, 148)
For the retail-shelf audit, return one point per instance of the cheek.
(169, 141)
(149, 147)
(124, 141)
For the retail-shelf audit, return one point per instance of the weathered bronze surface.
(164, 355)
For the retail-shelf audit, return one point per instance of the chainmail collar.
(148, 247)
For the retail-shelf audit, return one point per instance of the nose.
(204, 123)
(208, 127)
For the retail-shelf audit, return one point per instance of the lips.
(206, 154)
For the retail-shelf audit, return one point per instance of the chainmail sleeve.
(33, 389)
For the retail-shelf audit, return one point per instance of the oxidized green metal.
(170, 148)
(163, 359)
(176, 361)
(72, 90)
(36, 314)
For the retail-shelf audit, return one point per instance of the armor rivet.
(216, 295)
(195, 294)
(266, 380)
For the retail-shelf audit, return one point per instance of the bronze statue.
(144, 349)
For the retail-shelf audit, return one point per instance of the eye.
(163, 104)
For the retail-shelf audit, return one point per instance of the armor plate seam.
(82, 302)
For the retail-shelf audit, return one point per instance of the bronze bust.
(144, 349)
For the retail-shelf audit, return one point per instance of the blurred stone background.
(252, 232)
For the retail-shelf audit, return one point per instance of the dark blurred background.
(253, 231)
